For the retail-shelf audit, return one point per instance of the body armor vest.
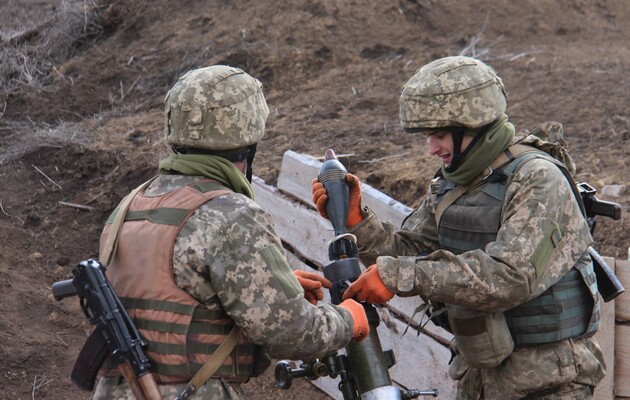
(570, 308)
(180, 332)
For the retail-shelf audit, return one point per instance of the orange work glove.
(312, 284)
(361, 328)
(369, 287)
(354, 201)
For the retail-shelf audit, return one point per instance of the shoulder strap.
(518, 149)
(112, 239)
(212, 365)
(453, 195)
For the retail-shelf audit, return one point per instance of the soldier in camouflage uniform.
(197, 256)
(498, 248)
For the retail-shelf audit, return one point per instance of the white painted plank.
(622, 303)
(421, 362)
(606, 338)
(622, 361)
(300, 227)
(297, 171)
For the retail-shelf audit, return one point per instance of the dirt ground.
(81, 90)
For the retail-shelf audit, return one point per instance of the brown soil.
(81, 90)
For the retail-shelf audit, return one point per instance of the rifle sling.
(112, 239)
(212, 365)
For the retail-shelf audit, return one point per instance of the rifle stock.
(144, 387)
(149, 387)
(607, 282)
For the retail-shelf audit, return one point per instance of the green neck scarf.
(483, 153)
(213, 167)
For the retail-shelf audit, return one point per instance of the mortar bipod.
(336, 365)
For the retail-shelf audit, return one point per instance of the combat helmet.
(217, 108)
(452, 92)
(458, 94)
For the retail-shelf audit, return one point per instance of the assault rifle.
(607, 282)
(114, 333)
(363, 370)
(594, 207)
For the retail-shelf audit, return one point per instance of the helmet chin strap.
(250, 160)
(457, 134)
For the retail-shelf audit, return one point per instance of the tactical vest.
(180, 332)
(570, 308)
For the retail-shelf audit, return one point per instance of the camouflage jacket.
(495, 279)
(228, 256)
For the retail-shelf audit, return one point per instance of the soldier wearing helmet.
(197, 260)
(498, 248)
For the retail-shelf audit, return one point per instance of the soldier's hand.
(361, 328)
(369, 287)
(312, 284)
(354, 201)
(320, 196)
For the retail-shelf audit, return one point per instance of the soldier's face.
(241, 166)
(440, 144)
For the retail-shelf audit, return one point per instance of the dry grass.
(24, 137)
(29, 56)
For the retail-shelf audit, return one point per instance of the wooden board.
(606, 338)
(299, 226)
(622, 306)
(622, 361)
(297, 171)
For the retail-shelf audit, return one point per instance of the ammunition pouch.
(483, 339)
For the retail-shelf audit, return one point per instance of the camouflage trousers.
(571, 391)
(214, 389)
(567, 369)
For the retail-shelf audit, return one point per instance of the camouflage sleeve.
(243, 266)
(541, 237)
(376, 238)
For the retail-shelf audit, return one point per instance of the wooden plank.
(606, 338)
(297, 171)
(299, 226)
(622, 361)
(622, 303)
(421, 362)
